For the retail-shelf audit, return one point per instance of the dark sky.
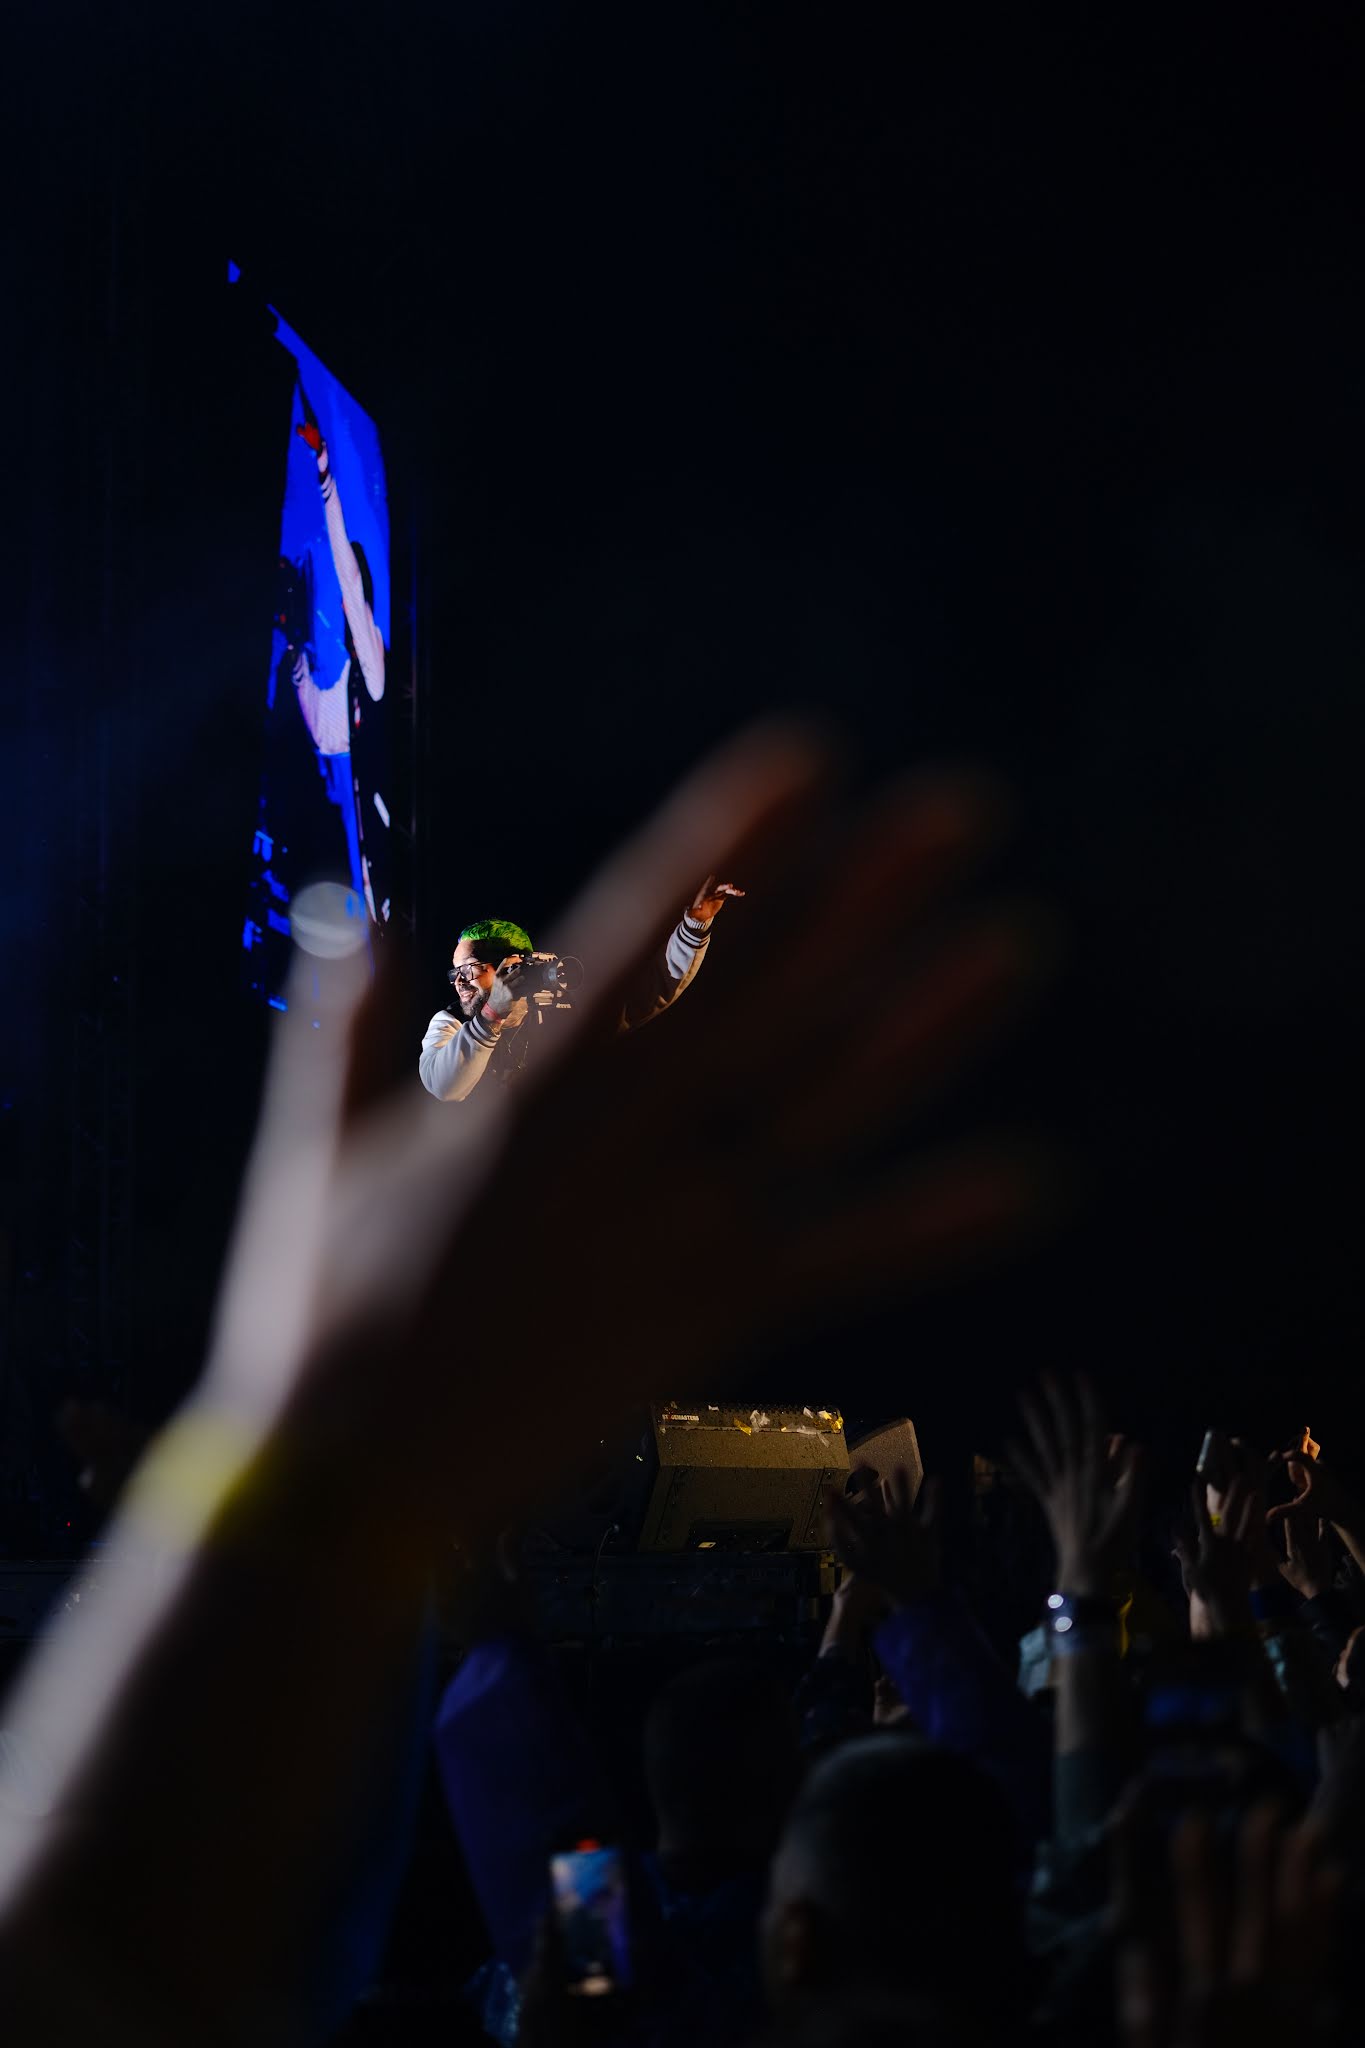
(985, 375)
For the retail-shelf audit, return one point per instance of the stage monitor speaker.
(888, 1445)
(734, 1479)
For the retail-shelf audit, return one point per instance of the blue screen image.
(323, 810)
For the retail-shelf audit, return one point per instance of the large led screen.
(323, 813)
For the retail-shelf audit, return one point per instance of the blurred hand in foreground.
(1236, 1954)
(647, 1152)
(402, 1287)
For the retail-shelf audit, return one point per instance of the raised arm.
(365, 636)
(262, 1587)
(677, 967)
(326, 713)
(1320, 1491)
(1086, 1483)
(958, 1692)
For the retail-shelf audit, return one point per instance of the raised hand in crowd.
(1237, 1586)
(855, 1610)
(1219, 1554)
(265, 1580)
(1236, 1955)
(1309, 1559)
(1321, 1492)
(888, 1539)
(946, 1675)
(1086, 1482)
(838, 1696)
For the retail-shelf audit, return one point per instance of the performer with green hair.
(493, 938)
(477, 1033)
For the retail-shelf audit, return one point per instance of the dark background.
(986, 376)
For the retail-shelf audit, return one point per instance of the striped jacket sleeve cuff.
(693, 933)
(479, 1030)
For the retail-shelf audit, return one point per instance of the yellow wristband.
(192, 1470)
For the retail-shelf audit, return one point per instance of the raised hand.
(1258, 1473)
(1251, 1945)
(401, 1283)
(311, 434)
(711, 899)
(889, 1540)
(1320, 1491)
(854, 1612)
(1308, 1561)
(661, 1145)
(1085, 1481)
(1218, 1560)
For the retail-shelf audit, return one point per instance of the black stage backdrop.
(988, 375)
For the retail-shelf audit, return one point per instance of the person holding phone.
(675, 1922)
(592, 1919)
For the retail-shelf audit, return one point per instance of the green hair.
(494, 939)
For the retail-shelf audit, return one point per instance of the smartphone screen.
(589, 1886)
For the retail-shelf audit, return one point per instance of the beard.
(466, 1000)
